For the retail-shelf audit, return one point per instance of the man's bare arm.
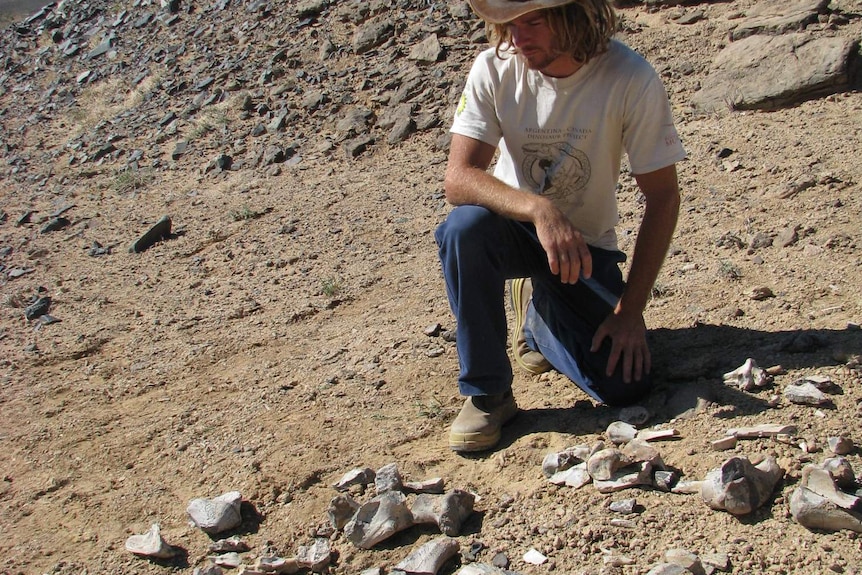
(625, 326)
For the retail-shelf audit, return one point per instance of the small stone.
(724, 444)
(805, 393)
(624, 506)
(840, 445)
(620, 432)
(316, 556)
(685, 559)
(432, 330)
(533, 557)
(388, 478)
(357, 476)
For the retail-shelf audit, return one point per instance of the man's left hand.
(628, 344)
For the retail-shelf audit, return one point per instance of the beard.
(537, 59)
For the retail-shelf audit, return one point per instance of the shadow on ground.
(688, 365)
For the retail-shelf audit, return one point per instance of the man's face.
(532, 36)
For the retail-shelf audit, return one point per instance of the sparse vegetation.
(246, 213)
(331, 286)
(127, 181)
(729, 270)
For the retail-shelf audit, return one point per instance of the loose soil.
(278, 340)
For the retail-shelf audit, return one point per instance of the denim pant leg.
(562, 320)
(479, 251)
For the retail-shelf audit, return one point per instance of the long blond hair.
(583, 29)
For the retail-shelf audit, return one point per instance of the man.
(561, 101)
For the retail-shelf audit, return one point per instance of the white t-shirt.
(564, 137)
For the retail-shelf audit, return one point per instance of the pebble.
(533, 557)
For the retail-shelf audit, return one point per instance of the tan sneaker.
(529, 360)
(478, 425)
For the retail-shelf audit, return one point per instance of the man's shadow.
(688, 369)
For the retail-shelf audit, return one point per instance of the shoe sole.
(470, 442)
(517, 294)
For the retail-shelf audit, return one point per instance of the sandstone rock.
(770, 72)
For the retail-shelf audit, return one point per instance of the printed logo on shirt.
(557, 170)
(462, 103)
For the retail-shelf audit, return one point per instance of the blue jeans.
(479, 251)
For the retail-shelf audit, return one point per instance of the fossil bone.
(379, 519)
(604, 463)
(448, 511)
(151, 544)
(218, 514)
(739, 487)
(429, 558)
(748, 376)
(815, 512)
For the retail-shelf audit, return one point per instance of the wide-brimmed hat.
(502, 11)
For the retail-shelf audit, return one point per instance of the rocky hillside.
(218, 274)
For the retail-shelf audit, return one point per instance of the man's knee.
(464, 226)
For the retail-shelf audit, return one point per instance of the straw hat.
(502, 11)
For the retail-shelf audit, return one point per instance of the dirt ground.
(279, 340)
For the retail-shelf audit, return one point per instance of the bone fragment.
(631, 476)
(805, 393)
(724, 444)
(448, 511)
(388, 478)
(739, 487)
(687, 487)
(151, 544)
(604, 463)
(357, 476)
(280, 565)
(748, 376)
(820, 482)
(218, 514)
(575, 477)
(434, 485)
(758, 431)
(554, 462)
(316, 556)
(620, 432)
(657, 434)
(379, 519)
(429, 558)
(815, 512)
(638, 451)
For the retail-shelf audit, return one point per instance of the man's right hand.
(568, 254)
